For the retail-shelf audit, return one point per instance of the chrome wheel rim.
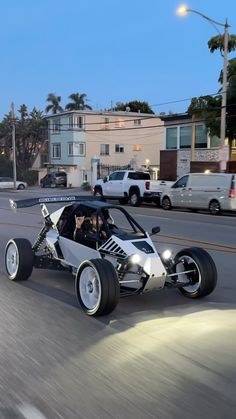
(12, 259)
(90, 288)
(195, 275)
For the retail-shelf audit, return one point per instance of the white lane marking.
(30, 412)
(152, 216)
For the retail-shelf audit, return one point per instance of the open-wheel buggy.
(126, 262)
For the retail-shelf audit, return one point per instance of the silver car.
(8, 182)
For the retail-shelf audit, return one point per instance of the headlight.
(134, 259)
(166, 255)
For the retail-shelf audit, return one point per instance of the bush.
(5, 167)
(86, 186)
(30, 177)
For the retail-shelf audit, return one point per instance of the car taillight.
(147, 185)
(231, 193)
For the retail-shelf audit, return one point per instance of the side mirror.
(105, 179)
(155, 230)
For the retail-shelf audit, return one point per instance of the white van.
(214, 192)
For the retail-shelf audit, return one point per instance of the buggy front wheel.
(97, 287)
(19, 259)
(201, 273)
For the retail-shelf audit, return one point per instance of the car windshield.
(60, 174)
(121, 224)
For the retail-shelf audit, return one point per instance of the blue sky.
(112, 50)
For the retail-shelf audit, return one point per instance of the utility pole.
(13, 143)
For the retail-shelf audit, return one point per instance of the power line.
(182, 100)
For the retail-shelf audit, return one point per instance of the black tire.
(214, 207)
(19, 259)
(21, 186)
(98, 192)
(123, 201)
(134, 198)
(99, 295)
(204, 277)
(166, 203)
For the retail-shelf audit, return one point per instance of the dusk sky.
(112, 50)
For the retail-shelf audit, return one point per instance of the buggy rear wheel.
(97, 287)
(202, 278)
(19, 259)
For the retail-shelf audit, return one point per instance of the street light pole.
(184, 10)
(224, 85)
(13, 144)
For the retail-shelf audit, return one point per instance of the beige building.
(86, 142)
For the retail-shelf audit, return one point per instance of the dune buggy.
(125, 263)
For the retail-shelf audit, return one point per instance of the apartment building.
(80, 141)
(189, 147)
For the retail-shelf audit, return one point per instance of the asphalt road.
(156, 356)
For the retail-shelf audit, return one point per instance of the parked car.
(124, 262)
(8, 182)
(130, 186)
(54, 179)
(214, 192)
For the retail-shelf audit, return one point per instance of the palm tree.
(23, 111)
(55, 106)
(78, 102)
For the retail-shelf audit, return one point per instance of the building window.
(56, 151)
(119, 148)
(76, 149)
(200, 136)
(137, 147)
(105, 123)
(119, 123)
(56, 125)
(104, 149)
(137, 122)
(76, 122)
(185, 138)
(171, 138)
(215, 141)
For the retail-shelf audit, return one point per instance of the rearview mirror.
(155, 230)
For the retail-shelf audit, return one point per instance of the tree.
(55, 106)
(217, 43)
(31, 133)
(208, 107)
(23, 111)
(134, 106)
(78, 102)
(6, 134)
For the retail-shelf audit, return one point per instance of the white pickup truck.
(130, 186)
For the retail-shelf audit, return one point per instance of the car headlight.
(166, 255)
(134, 259)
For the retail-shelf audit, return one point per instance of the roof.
(105, 113)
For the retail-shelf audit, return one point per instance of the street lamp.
(183, 10)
